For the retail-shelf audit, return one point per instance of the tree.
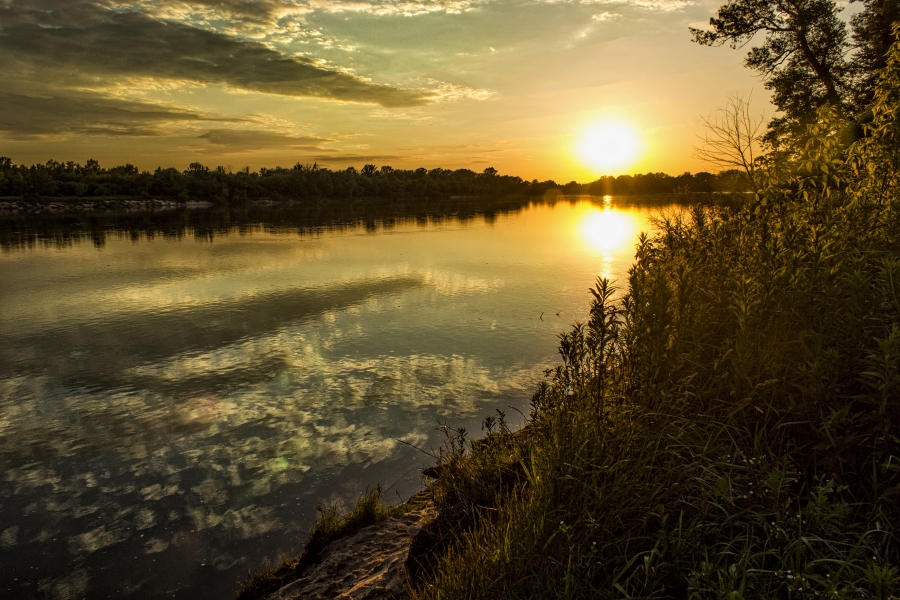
(802, 58)
(872, 39)
(877, 156)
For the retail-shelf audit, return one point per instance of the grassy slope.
(729, 427)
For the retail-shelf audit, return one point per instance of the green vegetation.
(806, 56)
(221, 186)
(727, 425)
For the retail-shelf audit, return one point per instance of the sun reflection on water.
(608, 231)
(223, 390)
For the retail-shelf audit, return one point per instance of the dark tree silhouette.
(803, 56)
(872, 39)
(222, 186)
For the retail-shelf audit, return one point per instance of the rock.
(368, 565)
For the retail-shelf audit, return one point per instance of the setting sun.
(609, 146)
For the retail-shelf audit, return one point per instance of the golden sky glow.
(513, 84)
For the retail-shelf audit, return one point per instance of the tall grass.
(727, 425)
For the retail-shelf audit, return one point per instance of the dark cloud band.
(34, 115)
(95, 40)
(236, 140)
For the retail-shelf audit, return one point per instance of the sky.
(510, 84)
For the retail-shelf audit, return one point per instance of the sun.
(609, 146)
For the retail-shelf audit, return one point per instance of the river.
(173, 407)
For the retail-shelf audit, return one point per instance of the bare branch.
(733, 138)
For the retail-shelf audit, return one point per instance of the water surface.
(173, 408)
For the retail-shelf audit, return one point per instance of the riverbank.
(13, 205)
(362, 555)
(223, 186)
(728, 427)
(727, 424)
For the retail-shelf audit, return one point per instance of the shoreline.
(11, 205)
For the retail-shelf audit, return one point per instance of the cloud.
(399, 7)
(48, 114)
(256, 9)
(605, 16)
(654, 5)
(451, 92)
(275, 13)
(238, 140)
(325, 159)
(399, 116)
(97, 41)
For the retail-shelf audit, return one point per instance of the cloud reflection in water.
(228, 387)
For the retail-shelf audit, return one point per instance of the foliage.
(806, 57)
(803, 54)
(872, 39)
(728, 424)
(876, 158)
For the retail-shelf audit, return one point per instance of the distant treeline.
(220, 185)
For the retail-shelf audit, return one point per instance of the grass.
(725, 425)
(727, 428)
